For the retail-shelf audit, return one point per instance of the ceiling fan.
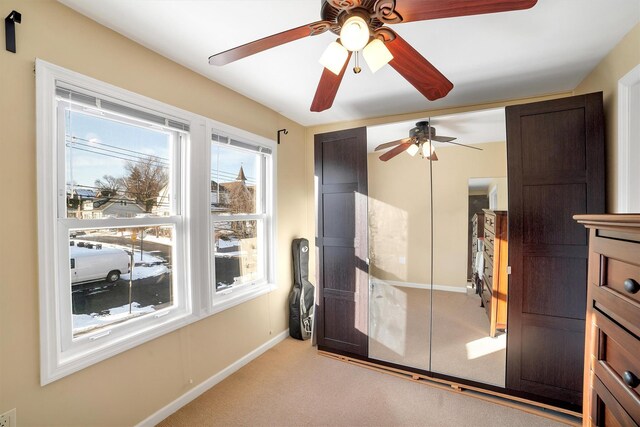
(419, 141)
(360, 25)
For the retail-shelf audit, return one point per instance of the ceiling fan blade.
(395, 151)
(265, 43)
(462, 145)
(422, 10)
(391, 144)
(328, 88)
(443, 138)
(418, 71)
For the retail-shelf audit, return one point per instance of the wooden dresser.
(476, 236)
(612, 344)
(494, 280)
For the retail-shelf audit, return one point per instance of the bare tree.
(144, 181)
(109, 186)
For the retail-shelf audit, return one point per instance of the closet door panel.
(341, 241)
(555, 156)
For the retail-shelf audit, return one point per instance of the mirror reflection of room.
(399, 235)
(467, 339)
(437, 319)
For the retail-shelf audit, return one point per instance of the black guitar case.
(302, 296)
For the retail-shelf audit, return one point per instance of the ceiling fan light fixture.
(354, 34)
(428, 150)
(334, 57)
(376, 55)
(413, 149)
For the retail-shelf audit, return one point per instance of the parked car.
(95, 262)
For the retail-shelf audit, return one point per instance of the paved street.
(100, 296)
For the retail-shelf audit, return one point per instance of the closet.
(374, 306)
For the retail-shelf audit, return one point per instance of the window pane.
(115, 169)
(237, 252)
(235, 183)
(105, 289)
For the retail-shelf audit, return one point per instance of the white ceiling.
(549, 48)
(472, 128)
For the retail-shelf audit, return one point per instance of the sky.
(98, 146)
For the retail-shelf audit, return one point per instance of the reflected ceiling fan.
(419, 141)
(360, 25)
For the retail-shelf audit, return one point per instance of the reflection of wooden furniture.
(612, 347)
(494, 280)
(477, 235)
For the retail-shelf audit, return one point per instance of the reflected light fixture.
(413, 149)
(428, 151)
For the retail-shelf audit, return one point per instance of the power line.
(139, 159)
(113, 146)
(90, 148)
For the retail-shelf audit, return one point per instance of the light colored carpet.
(291, 385)
(461, 346)
(399, 325)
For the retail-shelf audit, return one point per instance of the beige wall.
(399, 212)
(127, 388)
(622, 59)
(503, 190)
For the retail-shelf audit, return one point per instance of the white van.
(93, 262)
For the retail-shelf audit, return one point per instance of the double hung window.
(241, 206)
(146, 220)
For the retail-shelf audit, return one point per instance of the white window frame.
(192, 265)
(493, 197)
(628, 135)
(222, 300)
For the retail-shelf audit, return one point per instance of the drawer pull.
(631, 286)
(630, 379)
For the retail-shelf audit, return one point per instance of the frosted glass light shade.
(354, 34)
(413, 149)
(429, 153)
(334, 57)
(377, 55)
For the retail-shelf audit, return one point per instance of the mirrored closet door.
(399, 232)
(469, 292)
(427, 260)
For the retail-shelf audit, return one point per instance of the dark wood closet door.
(555, 157)
(341, 241)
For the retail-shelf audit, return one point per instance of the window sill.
(240, 295)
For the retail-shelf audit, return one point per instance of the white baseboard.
(196, 391)
(446, 288)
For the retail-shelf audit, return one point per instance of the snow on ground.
(160, 240)
(142, 272)
(86, 322)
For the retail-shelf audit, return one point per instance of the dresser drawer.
(490, 222)
(622, 278)
(486, 297)
(488, 256)
(606, 411)
(489, 239)
(617, 292)
(488, 272)
(616, 363)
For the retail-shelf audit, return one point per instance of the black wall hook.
(10, 29)
(283, 131)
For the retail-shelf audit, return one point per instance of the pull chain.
(356, 68)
